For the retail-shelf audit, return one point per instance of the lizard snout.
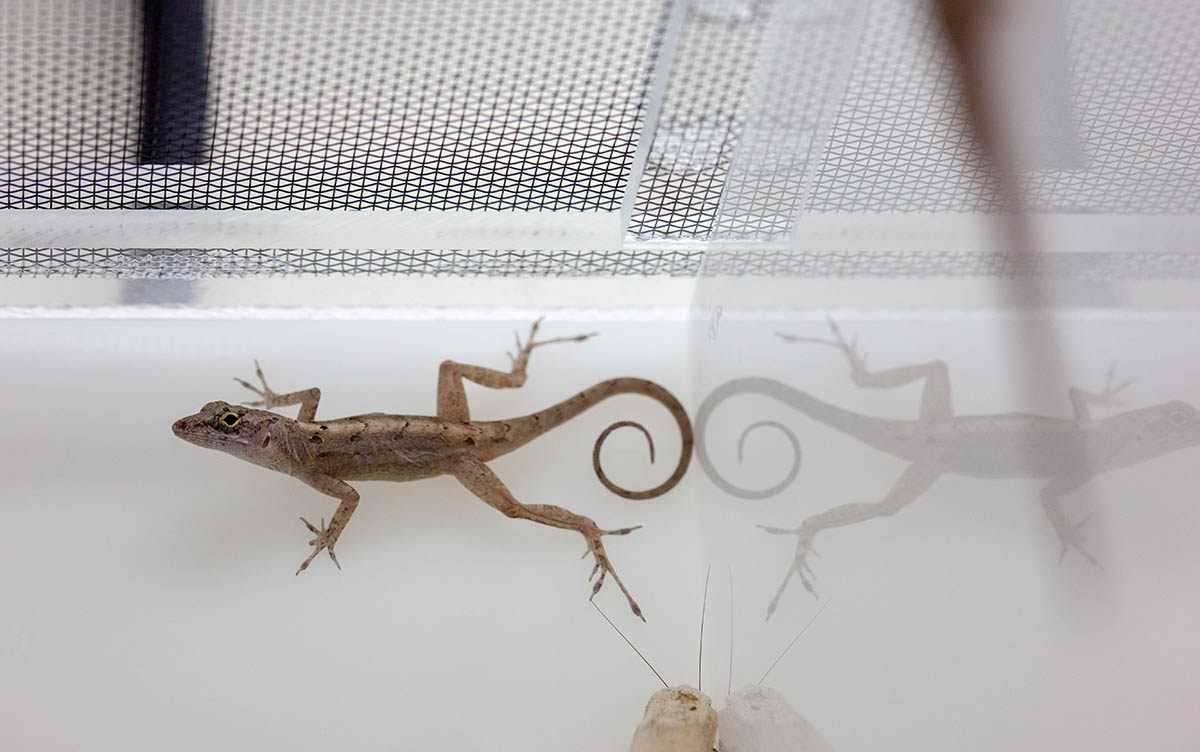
(183, 427)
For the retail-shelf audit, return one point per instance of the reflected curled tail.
(767, 388)
(861, 427)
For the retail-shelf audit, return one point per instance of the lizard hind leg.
(799, 565)
(481, 481)
(916, 480)
(451, 396)
(937, 403)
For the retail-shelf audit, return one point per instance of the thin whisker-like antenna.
(630, 644)
(793, 642)
(729, 688)
(703, 610)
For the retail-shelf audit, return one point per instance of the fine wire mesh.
(1082, 266)
(336, 104)
(200, 263)
(524, 104)
(701, 119)
(900, 143)
(799, 78)
(901, 140)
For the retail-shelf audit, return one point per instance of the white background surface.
(149, 598)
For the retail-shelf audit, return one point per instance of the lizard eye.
(229, 420)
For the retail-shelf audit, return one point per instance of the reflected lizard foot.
(1106, 397)
(849, 348)
(1073, 538)
(799, 565)
(323, 542)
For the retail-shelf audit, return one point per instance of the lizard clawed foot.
(604, 567)
(1106, 397)
(858, 361)
(269, 398)
(323, 542)
(799, 565)
(520, 357)
(1073, 538)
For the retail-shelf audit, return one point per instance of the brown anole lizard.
(377, 446)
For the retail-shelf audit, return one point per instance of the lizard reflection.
(1065, 452)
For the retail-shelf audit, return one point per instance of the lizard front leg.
(306, 398)
(915, 481)
(1082, 400)
(481, 481)
(452, 398)
(1070, 535)
(328, 536)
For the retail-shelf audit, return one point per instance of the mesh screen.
(798, 78)
(701, 119)
(199, 263)
(538, 105)
(342, 104)
(899, 142)
(1092, 267)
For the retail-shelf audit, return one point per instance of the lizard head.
(1179, 425)
(241, 431)
(1162, 428)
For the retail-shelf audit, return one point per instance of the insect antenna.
(630, 644)
(793, 642)
(729, 687)
(703, 611)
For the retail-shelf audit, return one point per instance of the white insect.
(677, 719)
(754, 719)
(760, 719)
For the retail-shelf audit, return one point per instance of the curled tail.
(525, 429)
(768, 388)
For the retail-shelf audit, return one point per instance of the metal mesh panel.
(899, 143)
(1095, 267)
(538, 105)
(701, 118)
(346, 104)
(197, 263)
(799, 79)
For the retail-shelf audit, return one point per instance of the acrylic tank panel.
(954, 330)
